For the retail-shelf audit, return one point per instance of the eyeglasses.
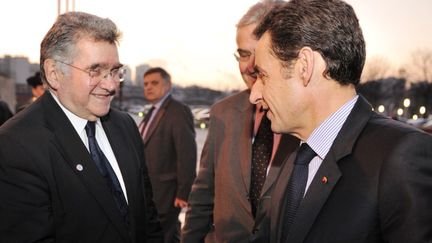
(98, 74)
(243, 55)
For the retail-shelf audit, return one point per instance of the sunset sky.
(195, 39)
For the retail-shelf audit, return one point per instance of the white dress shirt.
(79, 124)
(322, 138)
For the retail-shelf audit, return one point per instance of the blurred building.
(139, 72)
(17, 68)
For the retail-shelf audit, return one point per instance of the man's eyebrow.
(102, 65)
(243, 50)
(117, 66)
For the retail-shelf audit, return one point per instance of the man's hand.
(179, 203)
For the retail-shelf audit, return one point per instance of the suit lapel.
(121, 147)
(319, 191)
(154, 123)
(277, 197)
(245, 113)
(75, 153)
(288, 144)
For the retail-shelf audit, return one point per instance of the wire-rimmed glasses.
(98, 74)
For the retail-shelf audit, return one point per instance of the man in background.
(5, 112)
(37, 89)
(357, 176)
(170, 150)
(241, 156)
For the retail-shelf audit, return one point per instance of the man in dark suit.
(224, 197)
(71, 168)
(369, 178)
(37, 89)
(170, 149)
(5, 112)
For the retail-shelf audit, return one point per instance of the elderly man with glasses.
(72, 169)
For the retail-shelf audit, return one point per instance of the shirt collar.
(324, 135)
(158, 104)
(77, 122)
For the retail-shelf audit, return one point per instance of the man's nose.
(255, 96)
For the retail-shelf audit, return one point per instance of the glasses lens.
(121, 74)
(237, 56)
(118, 75)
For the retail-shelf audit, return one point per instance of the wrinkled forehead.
(96, 54)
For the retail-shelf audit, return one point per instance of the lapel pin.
(324, 180)
(79, 167)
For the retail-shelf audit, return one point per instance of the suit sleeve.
(186, 151)
(153, 228)
(199, 216)
(405, 192)
(25, 208)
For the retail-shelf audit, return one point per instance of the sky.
(195, 39)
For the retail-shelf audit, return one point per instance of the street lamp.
(381, 109)
(400, 112)
(422, 110)
(406, 104)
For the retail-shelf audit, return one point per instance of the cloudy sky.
(195, 39)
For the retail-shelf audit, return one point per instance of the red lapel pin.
(324, 180)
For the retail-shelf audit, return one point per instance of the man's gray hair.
(257, 12)
(60, 41)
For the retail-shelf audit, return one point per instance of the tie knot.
(304, 155)
(90, 128)
(149, 114)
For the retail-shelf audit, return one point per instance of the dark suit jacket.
(5, 112)
(378, 188)
(170, 151)
(220, 193)
(46, 197)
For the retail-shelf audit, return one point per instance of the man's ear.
(306, 61)
(51, 73)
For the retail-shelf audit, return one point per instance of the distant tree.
(375, 68)
(421, 66)
(420, 94)
(388, 92)
(393, 90)
(371, 91)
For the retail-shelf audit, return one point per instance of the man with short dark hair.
(357, 176)
(37, 89)
(5, 112)
(170, 149)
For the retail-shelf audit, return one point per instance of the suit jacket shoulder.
(238, 101)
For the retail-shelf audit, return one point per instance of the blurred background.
(194, 40)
